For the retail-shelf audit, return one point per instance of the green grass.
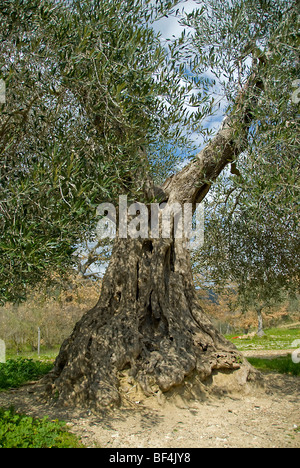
(275, 338)
(16, 372)
(21, 431)
(282, 365)
(46, 354)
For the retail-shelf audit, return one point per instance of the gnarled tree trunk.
(148, 323)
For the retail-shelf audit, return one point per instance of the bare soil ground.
(263, 419)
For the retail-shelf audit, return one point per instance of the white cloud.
(170, 27)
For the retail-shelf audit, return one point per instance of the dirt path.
(258, 420)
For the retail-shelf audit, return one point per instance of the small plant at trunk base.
(21, 431)
(16, 372)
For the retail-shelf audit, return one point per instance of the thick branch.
(193, 182)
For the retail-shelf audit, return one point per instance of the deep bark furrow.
(159, 339)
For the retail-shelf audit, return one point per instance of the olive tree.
(130, 94)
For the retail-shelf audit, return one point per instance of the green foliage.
(21, 431)
(89, 89)
(16, 372)
(252, 230)
(274, 338)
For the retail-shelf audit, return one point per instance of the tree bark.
(148, 323)
(148, 326)
(260, 331)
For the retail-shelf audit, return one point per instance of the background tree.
(252, 231)
(249, 249)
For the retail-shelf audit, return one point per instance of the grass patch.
(16, 372)
(21, 431)
(46, 354)
(282, 365)
(275, 338)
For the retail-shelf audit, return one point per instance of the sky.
(170, 28)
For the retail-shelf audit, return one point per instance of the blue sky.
(170, 28)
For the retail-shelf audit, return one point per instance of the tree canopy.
(252, 228)
(91, 90)
(88, 89)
